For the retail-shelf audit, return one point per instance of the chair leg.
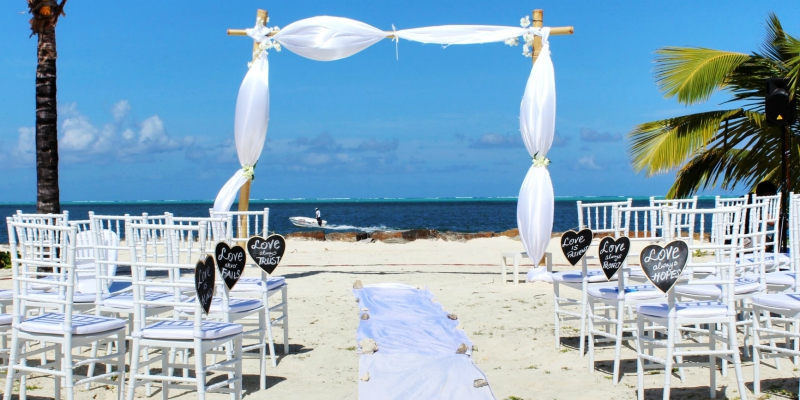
(263, 317)
(618, 344)
(726, 334)
(285, 299)
(59, 362)
(237, 352)
(671, 331)
(737, 362)
(712, 360)
(756, 356)
(68, 368)
(590, 321)
(135, 353)
(200, 371)
(12, 362)
(516, 269)
(639, 357)
(90, 371)
(556, 311)
(166, 369)
(503, 270)
(584, 300)
(121, 364)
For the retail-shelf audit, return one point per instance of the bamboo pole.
(538, 22)
(244, 191)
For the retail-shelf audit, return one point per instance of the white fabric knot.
(540, 161)
(248, 171)
(262, 35)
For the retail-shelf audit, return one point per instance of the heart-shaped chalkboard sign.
(204, 282)
(267, 253)
(663, 266)
(612, 254)
(231, 262)
(574, 244)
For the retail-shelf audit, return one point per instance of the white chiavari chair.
(65, 329)
(248, 303)
(620, 298)
(248, 224)
(673, 318)
(723, 202)
(770, 311)
(775, 259)
(168, 335)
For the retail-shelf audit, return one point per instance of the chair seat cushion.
(701, 309)
(789, 301)
(5, 319)
(235, 305)
(595, 275)
(184, 330)
(636, 292)
(82, 324)
(255, 284)
(783, 278)
(7, 294)
(741, 286)
(125, 300)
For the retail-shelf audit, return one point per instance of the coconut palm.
(43, 24)
(724, 148)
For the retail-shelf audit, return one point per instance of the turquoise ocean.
(349, 215)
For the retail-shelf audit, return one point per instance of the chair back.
(720, 202)
(722, 248)
(245, 224)
(638, 223)
(794, 237)
(682, 222)
(773, 220)
(179, 254)
(42, 245)
(600, 217)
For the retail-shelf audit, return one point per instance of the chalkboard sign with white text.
(574, 244)
(204, 282)
(267, 253)
(612, 254)
(663, 266)
(231, 262)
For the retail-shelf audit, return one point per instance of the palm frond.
(661, 146)
(773, 46)
(693, 74)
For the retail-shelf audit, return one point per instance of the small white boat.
(307, 222)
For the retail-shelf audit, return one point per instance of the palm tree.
(43, 24)
(726, 147)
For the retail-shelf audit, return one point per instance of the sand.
(511, 327)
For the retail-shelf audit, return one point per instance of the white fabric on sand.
(417, 347)
(417, 376)
(537, 118)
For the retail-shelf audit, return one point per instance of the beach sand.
(511, 327)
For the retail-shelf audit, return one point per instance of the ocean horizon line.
(351, 200)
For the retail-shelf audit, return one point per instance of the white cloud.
(25, 150)
(121, 110)
(316, 159)
(587, 162)
(80, 140)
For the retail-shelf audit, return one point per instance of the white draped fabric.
(326, 38)
(332, 38)
(537, 118)
(250, 128)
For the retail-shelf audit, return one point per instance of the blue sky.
(438, 122)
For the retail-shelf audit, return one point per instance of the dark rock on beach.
(415, 234)
(346, 236)
(307, 235)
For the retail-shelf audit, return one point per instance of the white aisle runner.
(417, 348)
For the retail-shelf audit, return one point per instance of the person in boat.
(319, 217)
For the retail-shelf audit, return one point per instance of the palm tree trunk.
(47, 192)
